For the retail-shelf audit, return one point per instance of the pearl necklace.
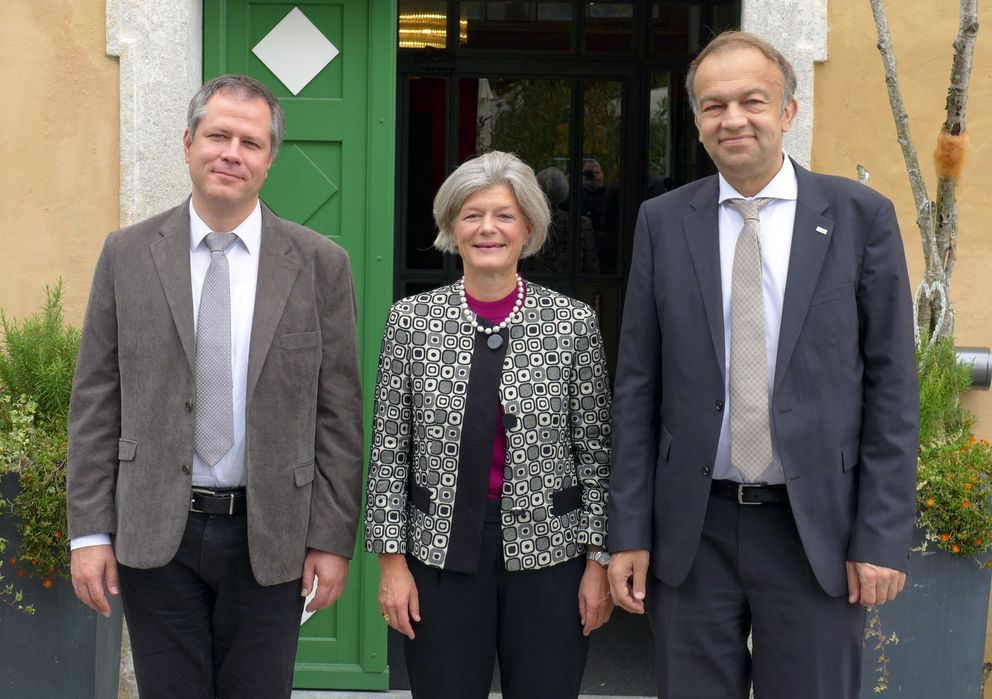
(474, 319)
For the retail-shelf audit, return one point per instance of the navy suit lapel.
(811, 235)
(277, 271)
(170, 253)
(702, 235)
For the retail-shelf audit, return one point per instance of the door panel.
(339, 147)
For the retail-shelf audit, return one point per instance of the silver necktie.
(750, 434)
(214, 426)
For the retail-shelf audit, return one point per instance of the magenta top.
(495, 312)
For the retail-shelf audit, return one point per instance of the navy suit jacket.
(845, 396)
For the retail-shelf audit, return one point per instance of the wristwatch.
(601, 557)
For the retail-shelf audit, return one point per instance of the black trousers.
(201, 627)
(529, 619)
(751, 574)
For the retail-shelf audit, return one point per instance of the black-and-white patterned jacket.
(554, 392)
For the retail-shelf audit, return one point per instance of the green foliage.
(37, 456)
(38, 358)
(942, 381)
(8, 593)
(37, 362)
(954, 480)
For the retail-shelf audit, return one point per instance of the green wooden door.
(332, 64)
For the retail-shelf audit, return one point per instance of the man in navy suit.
(782, 510)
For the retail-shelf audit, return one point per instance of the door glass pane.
(423, 24)
(674, 28)
(660, 149)
(609, 26)
(512, 26)
(425, 170)
(531, 119)
(601, 168)
(726, 15)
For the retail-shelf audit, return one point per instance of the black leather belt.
(750, 493)
(219, 501)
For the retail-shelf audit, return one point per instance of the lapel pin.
(821, 230)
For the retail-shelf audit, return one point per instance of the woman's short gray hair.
(484, 171)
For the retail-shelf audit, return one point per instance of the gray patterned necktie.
(214, 433)
(750, 434)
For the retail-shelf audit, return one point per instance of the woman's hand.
(398, 601)
(595, 601)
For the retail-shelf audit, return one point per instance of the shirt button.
(706, 469)
(186, 469)
(189, 407)
(718, 405)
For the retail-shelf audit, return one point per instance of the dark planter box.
(64, 649)
(940, 619)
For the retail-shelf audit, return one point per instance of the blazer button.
(189, 407)
(718, 405)
(706, 469)
(186, 469)
(509, 421)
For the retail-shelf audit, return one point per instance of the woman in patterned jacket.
(490, 458)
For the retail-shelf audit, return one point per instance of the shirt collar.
(782, 186)
(249, 231)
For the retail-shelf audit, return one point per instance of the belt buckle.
(194, 491)
(740, 493)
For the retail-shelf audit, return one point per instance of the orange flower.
(972, 440)
(20, 573)
(967, 486)
(13, 561)
(58, 535)
(47, 583)
(978, 541)
(984, 442)
(931, 502)
(955, 548)
(965, 503)
(945, 537)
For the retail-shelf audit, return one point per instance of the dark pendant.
(494, 341)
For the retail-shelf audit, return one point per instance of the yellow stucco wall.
(59, 180)
(853, 124)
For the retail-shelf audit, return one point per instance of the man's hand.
(398, 599)
(92, 567)
(628, 572)
(595, 603)
(331, 571)
(873, 585)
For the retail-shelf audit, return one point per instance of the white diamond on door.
(295, 51)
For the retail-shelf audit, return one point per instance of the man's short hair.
(729, 41)
(242, 87)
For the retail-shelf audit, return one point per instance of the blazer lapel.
(702, 235)
(811, 235)
(170, 254)
(277, 271)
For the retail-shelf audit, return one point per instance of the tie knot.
(218, 242)
(749, 208)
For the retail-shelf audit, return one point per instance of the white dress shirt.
(777, 220)
(242, 257)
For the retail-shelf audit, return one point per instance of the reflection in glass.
(609, 26)
(555, 256)
(601, 168)
(423, 24)
(514, 26)
(425, 169)
(674, 28)
(660, 178)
